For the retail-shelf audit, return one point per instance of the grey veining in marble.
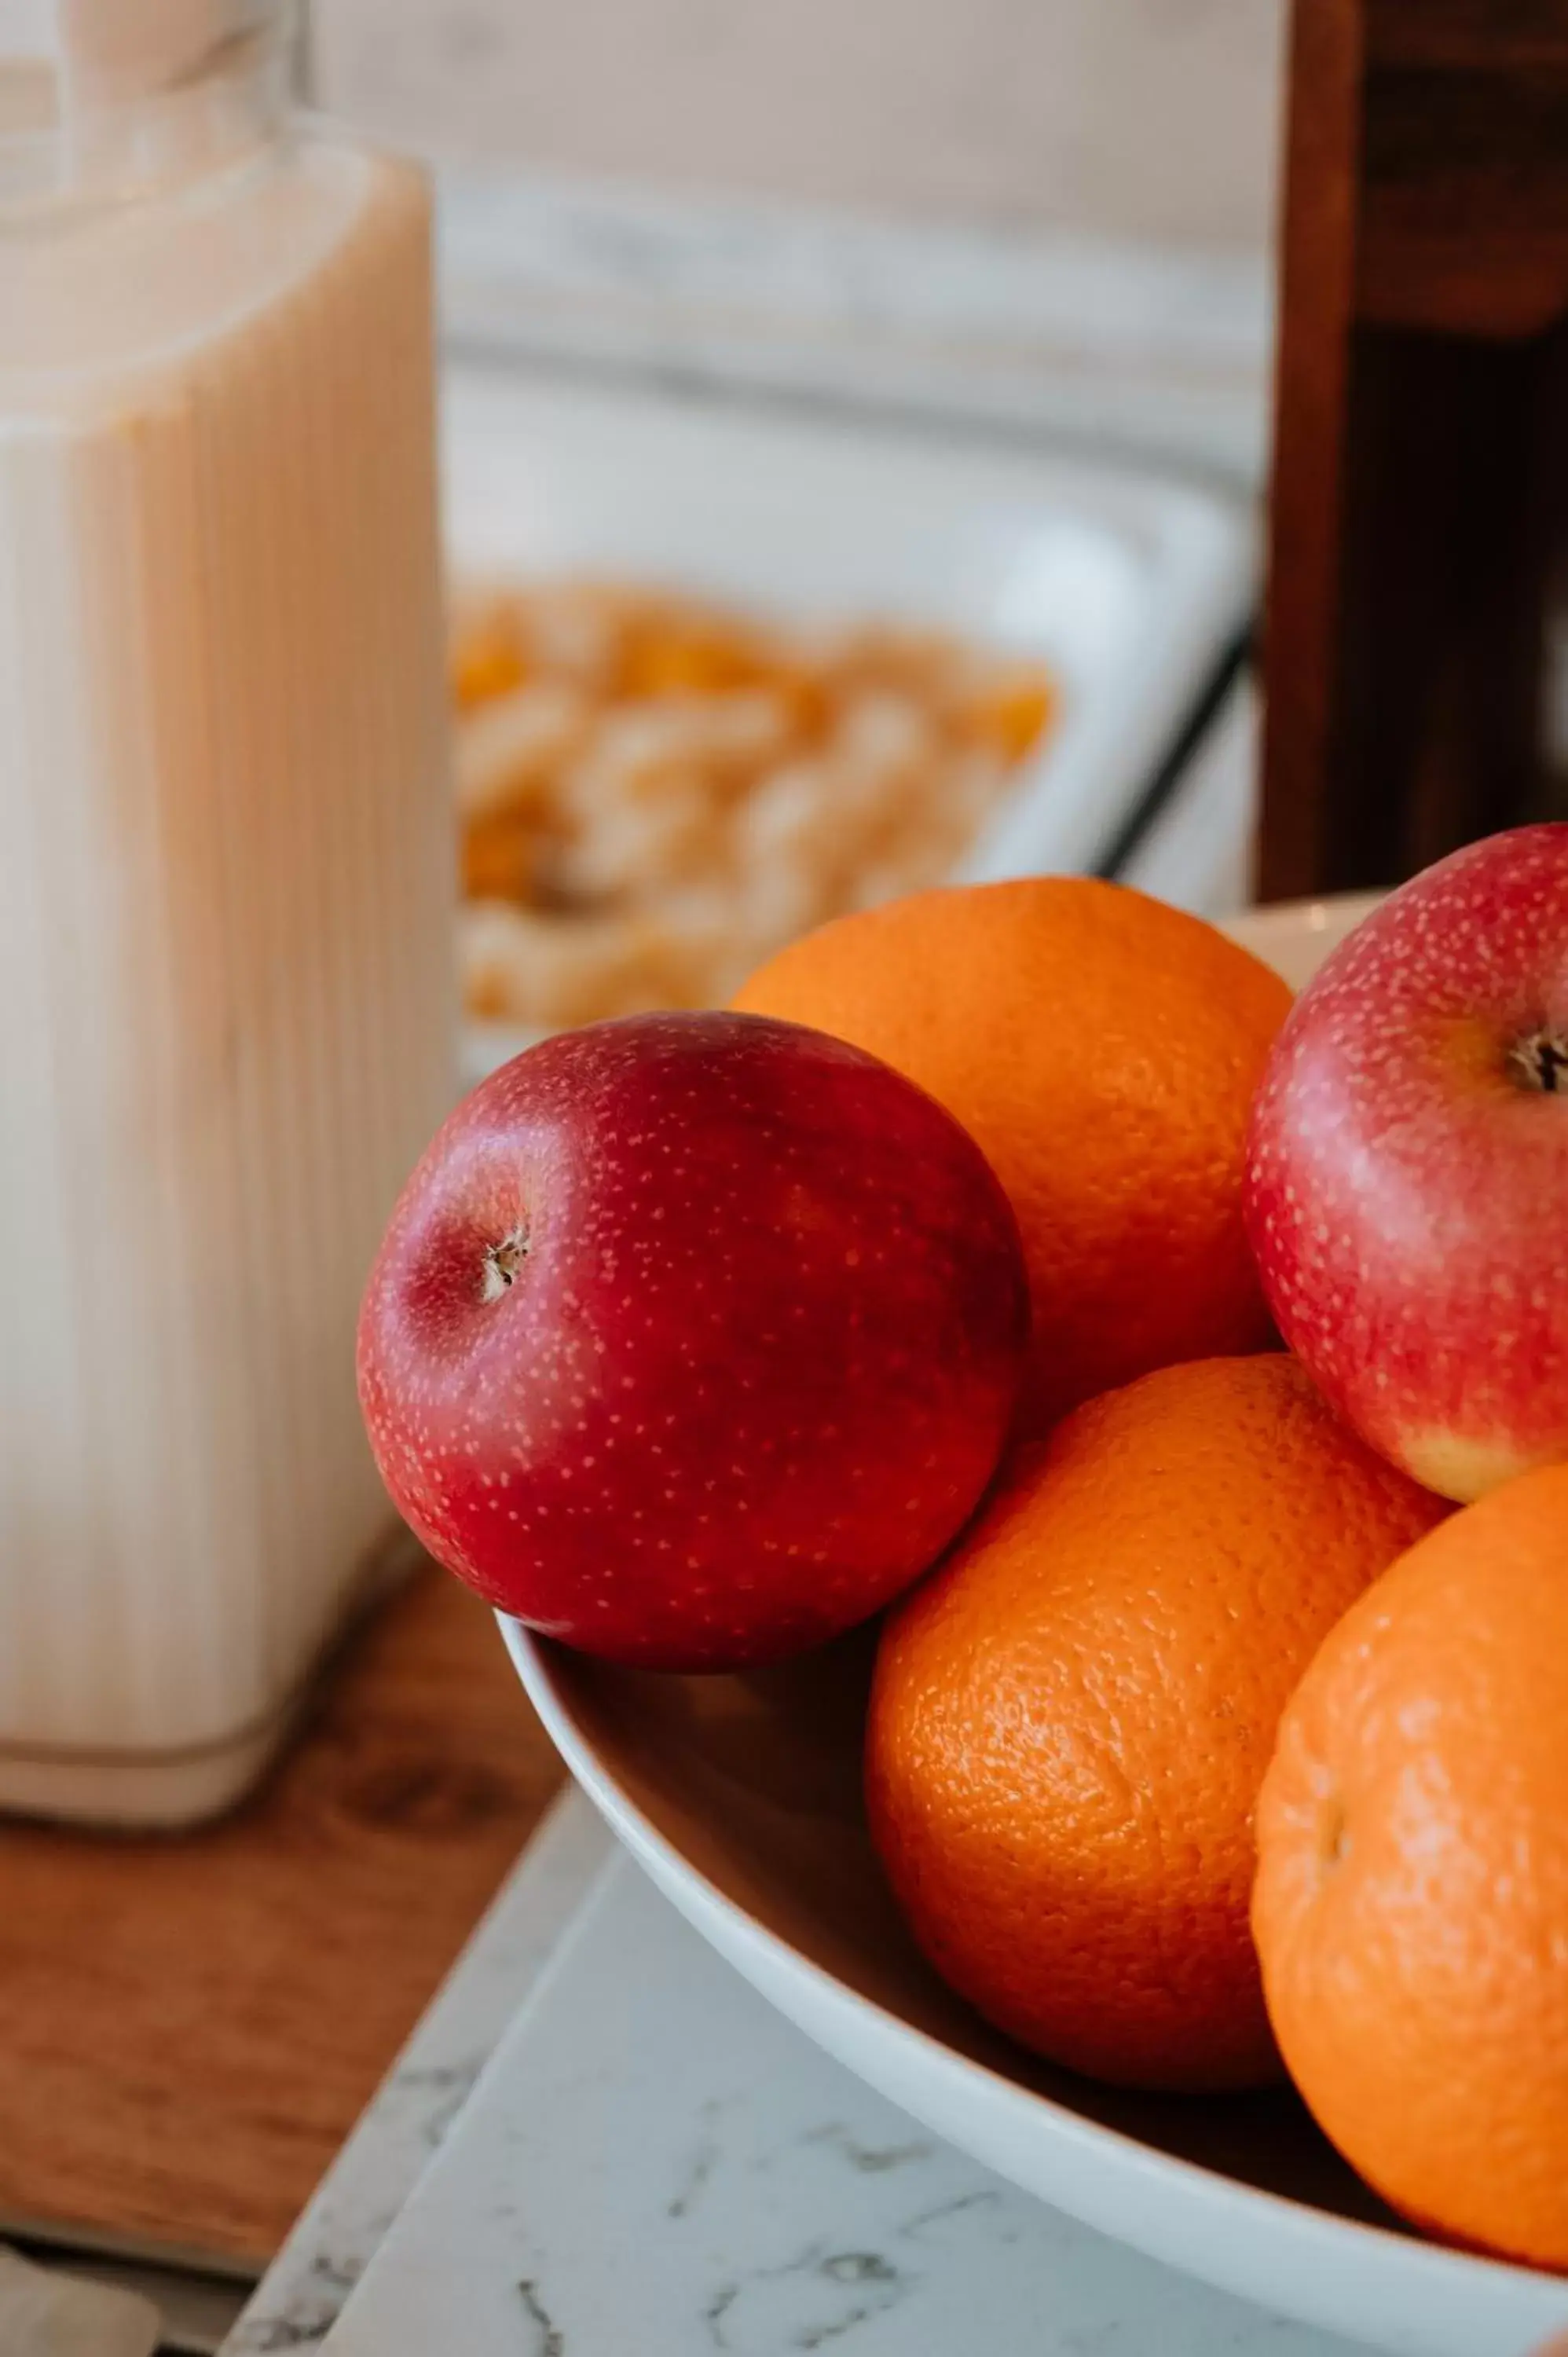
(655, 2165)
(426, 2090)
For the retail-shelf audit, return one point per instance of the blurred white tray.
(1129, 581)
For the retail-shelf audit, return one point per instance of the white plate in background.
(741, 1798)
(1129, 582)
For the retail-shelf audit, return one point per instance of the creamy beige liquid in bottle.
(225, 883)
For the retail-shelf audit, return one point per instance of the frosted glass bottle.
(226, 1017)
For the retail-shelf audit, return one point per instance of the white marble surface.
(426, 2088)
(654, 2162)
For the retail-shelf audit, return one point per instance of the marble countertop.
(426, 2088)
(653, 2161)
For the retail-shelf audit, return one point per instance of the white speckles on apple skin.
(764, 1247)
(1406, 1199)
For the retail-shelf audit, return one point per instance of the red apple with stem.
(1407, 1183)
(693, 1339)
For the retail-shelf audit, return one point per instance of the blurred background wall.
(1149, 120)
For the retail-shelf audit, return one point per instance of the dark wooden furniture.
(189, 2028)
(1417, 636)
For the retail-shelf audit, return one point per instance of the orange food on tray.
(656, 793)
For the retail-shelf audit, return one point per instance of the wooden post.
(1417, 641)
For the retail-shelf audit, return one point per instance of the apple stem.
(502, 1262)
(1540, 1063)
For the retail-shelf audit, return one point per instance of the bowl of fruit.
(1027, 1475)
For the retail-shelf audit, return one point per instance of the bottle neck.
(100, 123)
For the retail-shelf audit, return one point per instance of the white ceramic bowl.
(741, 1797)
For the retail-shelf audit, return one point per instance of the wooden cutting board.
(191, 2025)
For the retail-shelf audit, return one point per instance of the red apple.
(694, 1337)
(1407, 1183)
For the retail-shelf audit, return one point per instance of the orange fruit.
(1104, 1048)
(1071, 1719)
(1411, 1901)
